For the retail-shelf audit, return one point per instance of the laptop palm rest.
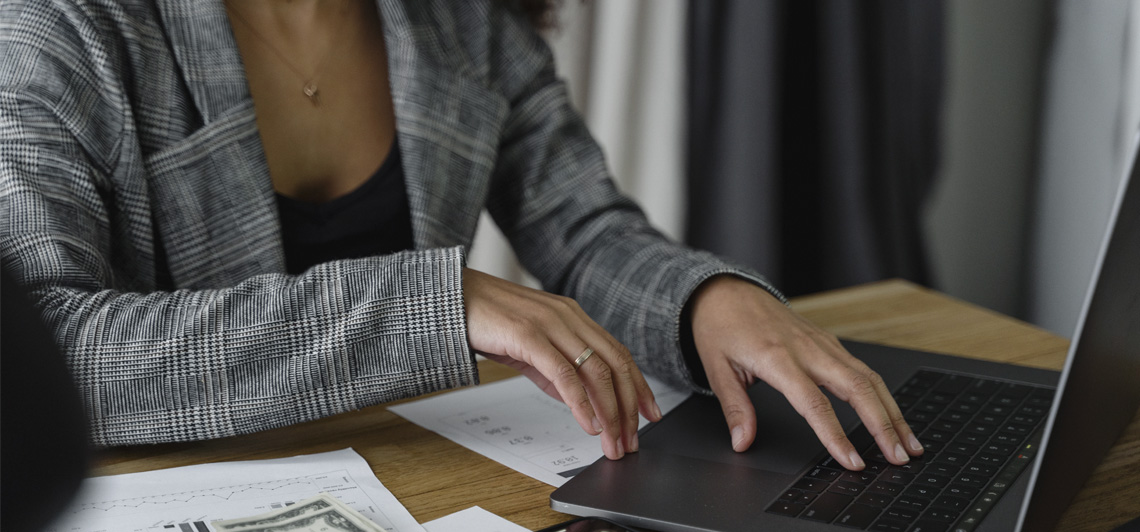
(694, 433)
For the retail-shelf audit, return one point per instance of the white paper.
(473, 519)
(514, 423)
(187, 499)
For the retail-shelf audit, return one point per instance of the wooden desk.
(433, 477)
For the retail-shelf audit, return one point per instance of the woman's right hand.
(541, 334)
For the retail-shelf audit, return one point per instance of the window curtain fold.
(813, 136)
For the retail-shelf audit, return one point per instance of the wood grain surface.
(433, 477)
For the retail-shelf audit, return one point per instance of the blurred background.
(972, 146)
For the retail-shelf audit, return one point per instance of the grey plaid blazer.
(129, 149)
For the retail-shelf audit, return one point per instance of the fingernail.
(900, 453)
(856, 460)
(656, 410)
(621, 449)
(634, 444)
(597, 424)
(737, 437)
(914, 445)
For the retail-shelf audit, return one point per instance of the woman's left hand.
(743, 333)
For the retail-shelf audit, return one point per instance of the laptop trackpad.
(784, 441)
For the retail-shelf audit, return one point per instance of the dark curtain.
(814, 127)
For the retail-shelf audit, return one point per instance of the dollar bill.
(323, 513)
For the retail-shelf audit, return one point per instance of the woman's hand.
(743, 333)
(541, 334)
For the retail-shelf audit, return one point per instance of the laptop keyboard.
(979, 434)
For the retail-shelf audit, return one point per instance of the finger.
(734, 402)
(859, 389)
(646, 402)
(806, 397)
(625, 377)
(550, 362)
(899, 423)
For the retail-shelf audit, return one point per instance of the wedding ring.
(582, 358)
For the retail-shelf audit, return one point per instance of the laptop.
(1008, 447)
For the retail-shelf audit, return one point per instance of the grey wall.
(976, 221)
(1042, 102)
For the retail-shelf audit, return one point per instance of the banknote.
(323, 513)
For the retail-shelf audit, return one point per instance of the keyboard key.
(1019, 430)
(953, 459)
(961, 490)
(875, 466)
(923, 492)
(791, 495)
(980, 468)
(860, 477)
(824, 474)
(928, 479)
(931, 408)
(899, 477)
(965, 408)
(1007, 438)
(950, 426)
(1024, 419)
(940, 397)
(984, 387)
(809, 484)
(971, 481)
(847, 488)
(805, 498)
(962, 448)
(955, 503)
(940, 436)
(1005, 400)
(953, 384)
(974, 397)
(901, 513)
(789, 509)
(910, 391)
(959, 417)
(877, 500)
(942, 469)
(915, 465)
(1042, 393)
(920, 416)
(989, 419)
(914, 503)
(998, 448)
(887, 525)
(930, 526)
(887, 488)
(980, 429)
(827, 506)
(857, 516)
(991, 458)
(998, 410)
(1034, 410)
(944, 515)
(971, 438)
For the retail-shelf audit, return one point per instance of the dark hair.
(542, 14)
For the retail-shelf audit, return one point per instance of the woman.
(175, 176)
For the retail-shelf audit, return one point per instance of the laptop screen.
(1098, 393)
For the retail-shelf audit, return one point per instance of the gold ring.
(582, 358)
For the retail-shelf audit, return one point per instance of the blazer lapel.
(448, 124)
(214, 202)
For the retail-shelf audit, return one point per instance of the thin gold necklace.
(309, 88)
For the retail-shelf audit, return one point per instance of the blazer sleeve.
(572, 229)
(180, 365)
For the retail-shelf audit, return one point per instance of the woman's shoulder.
(487, 40)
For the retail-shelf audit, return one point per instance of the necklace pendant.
(312, 93)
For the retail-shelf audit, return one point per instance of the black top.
(372, 220)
